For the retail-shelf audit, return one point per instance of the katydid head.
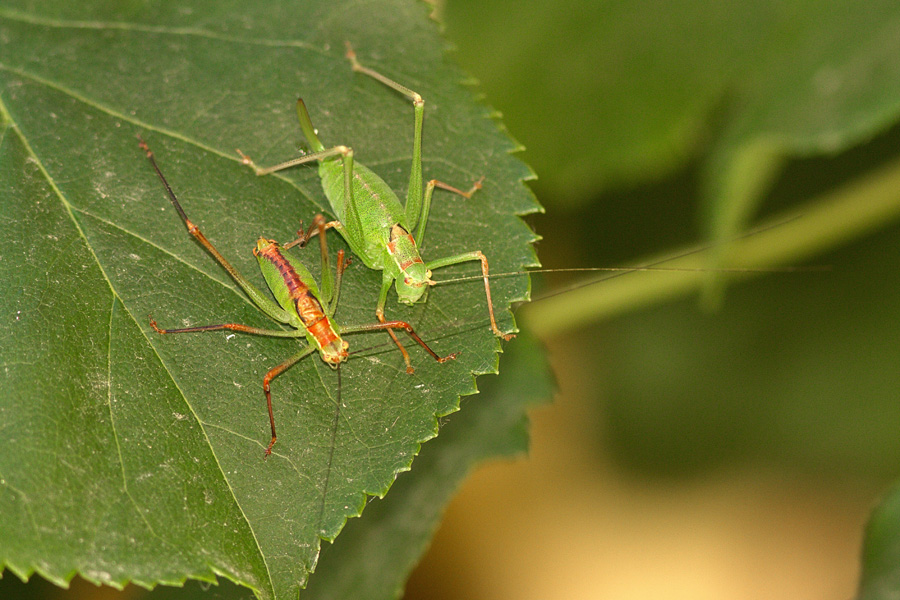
(334, 353)
(262, 244)
(413, 283)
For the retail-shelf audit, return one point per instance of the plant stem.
(834, 218)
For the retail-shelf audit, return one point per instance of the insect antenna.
(654, 265)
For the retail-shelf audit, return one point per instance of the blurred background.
(690, 453)
(731, 454)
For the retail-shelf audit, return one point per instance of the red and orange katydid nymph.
(299, 301)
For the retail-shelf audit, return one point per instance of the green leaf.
(880, 579)
(815, 78)
(388, 542)
(373, 555)
(129, 456)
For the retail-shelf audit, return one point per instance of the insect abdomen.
(291, 283)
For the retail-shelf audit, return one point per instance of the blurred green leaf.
(880, 579)
(842, 214)
(613, 93)
(605, 93)
(796, 373)
(127, 456)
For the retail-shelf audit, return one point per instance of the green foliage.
(129, 456)
(881, 556)
(606, 93)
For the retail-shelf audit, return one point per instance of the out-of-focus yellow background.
(569, 522)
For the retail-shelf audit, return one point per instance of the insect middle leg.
(390, 326)
(284, 333)
(272, 374)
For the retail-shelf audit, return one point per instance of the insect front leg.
(331, 286)
(338, 276)
(303, 237)
(389, 326)
(467, 256)
(386, 282)
(272, 374)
